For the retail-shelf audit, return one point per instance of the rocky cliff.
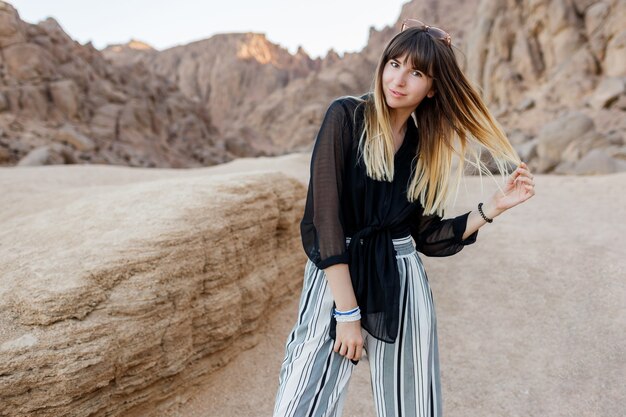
(62, 102)
(283, 118)
(555, 73)
(120, 287)
(224, 72)
(538, 62)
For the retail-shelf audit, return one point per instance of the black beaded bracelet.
(480, 210)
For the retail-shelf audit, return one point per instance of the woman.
(381, 175)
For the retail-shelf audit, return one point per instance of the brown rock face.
(224, 72)
(518, 46)
(128, 116)
(565, 139)
(453, 16)
(538, 61)
(115, 300)
(237, 95)
(288, 119)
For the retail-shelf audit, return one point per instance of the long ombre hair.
(455, 114)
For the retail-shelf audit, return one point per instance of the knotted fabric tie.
(376, 282)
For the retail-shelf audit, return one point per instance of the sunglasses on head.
(436, 33)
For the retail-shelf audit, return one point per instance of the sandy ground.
(531, 318)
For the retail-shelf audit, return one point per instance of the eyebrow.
(406, 62)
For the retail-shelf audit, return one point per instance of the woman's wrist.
(341, 286)
(345, 306)
(347, 315)
(490, 209)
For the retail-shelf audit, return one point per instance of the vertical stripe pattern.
(405, 376)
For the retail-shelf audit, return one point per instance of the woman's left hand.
(519, 187)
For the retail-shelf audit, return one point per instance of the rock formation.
(288, 119)
(62, 102)
(540, 61)
(224, 72)
(120, 287)
(233, 95)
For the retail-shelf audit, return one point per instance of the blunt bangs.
(418, 47)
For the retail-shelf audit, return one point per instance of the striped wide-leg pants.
(405, 376)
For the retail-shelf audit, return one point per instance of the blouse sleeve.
(435, 236)
(321, 227)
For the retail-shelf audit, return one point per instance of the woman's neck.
(398, 121)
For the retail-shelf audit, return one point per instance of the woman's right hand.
(349, 340)
(348, 337)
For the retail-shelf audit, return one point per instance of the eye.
(417, 73)
(394, 64)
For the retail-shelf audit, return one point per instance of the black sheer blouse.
(342, 201)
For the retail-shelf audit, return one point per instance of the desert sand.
(531, 317)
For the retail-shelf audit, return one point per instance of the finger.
(525, 171)
(521, 170)
(528, 194)
(350, 352)
(523, 175)
(336, 346)
(358, 352)
(512, 177)
(343, 350)
(525, 180)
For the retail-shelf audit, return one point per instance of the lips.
(396, 93)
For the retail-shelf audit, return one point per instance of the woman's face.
(403, 86)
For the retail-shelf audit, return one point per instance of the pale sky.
(316, 25)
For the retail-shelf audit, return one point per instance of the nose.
(399, 78)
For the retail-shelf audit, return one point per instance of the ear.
(431, 93)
